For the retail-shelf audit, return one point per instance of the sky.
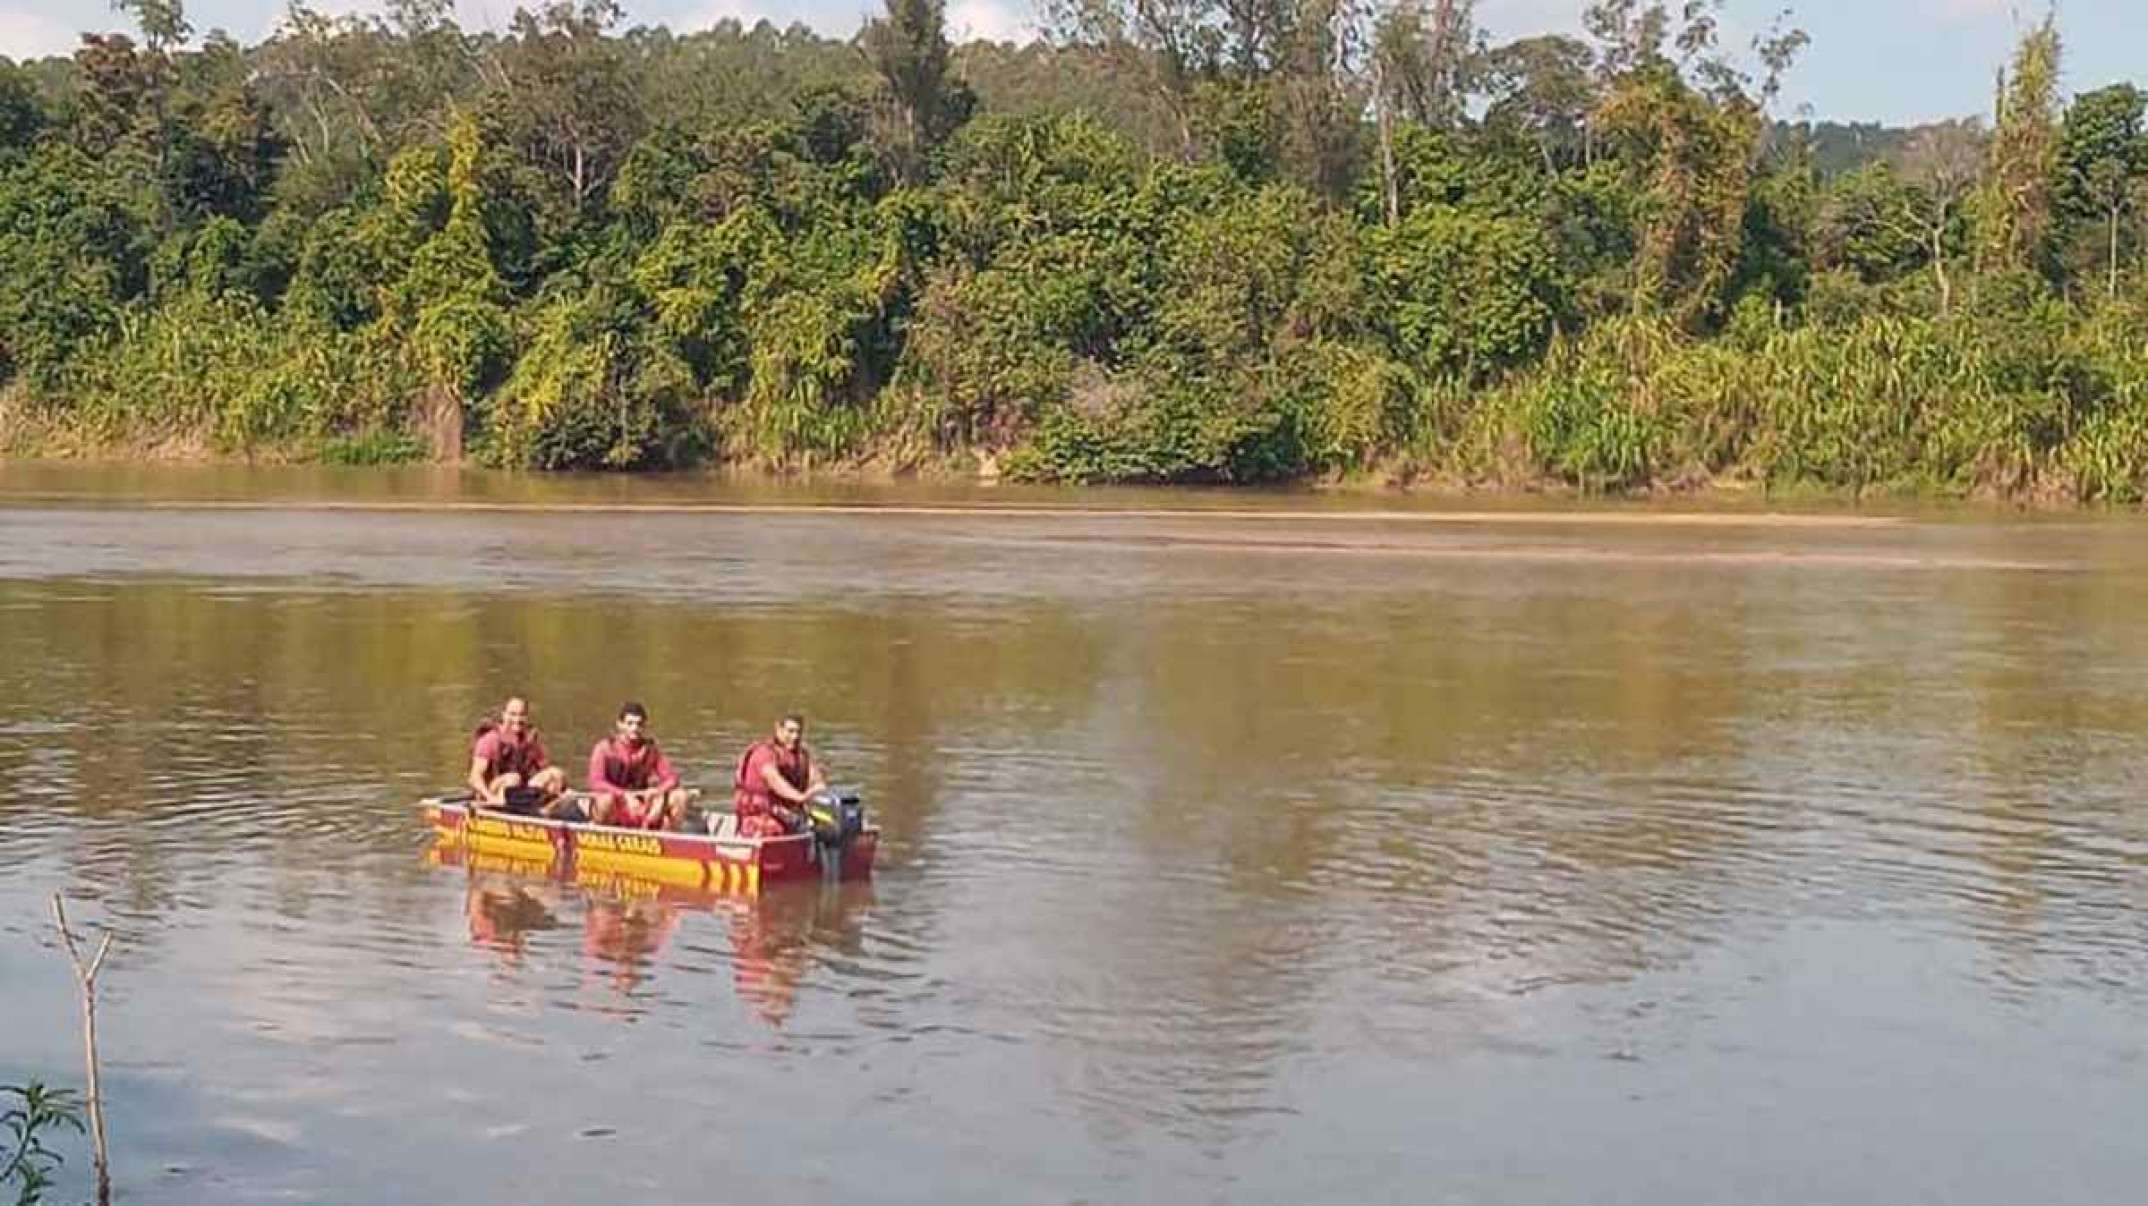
(1893, 61)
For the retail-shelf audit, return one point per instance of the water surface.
(1238, 848)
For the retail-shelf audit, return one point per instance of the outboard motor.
(835, 817)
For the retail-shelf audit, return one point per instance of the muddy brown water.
(1239, 848)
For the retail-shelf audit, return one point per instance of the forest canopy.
(1201, 241)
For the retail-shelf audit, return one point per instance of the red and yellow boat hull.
(729, 865)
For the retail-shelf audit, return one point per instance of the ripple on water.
(1196, 859)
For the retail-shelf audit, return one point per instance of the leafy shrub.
(26, 1126)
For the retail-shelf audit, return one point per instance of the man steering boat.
(775, 780)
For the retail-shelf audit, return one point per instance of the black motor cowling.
(835, 817)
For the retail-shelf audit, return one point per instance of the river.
(1237, 848)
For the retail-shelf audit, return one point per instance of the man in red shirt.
(775, 779)
(631, 780)
(509, 767)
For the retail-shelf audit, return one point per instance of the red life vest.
(633, 772)
(525, 757)
(750, 795)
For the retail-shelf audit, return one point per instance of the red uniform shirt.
(504, 755)
(751, 796)
(614, 767)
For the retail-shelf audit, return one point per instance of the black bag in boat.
(835, 817)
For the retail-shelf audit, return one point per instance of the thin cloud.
(25, 35)
(993, 20)
(1523, 18)
(742, 11)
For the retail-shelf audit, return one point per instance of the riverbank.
(1357, 514)
(1395, 480)
(2043, 409)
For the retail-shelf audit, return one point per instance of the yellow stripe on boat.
(510, 839)
(660, 868)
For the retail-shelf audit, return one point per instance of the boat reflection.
(781, 935)
(504, 912)
(776, 935)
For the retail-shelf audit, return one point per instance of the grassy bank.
(2038, 406)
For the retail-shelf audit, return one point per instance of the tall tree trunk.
(1939, 266)
(1390, 193)
(440, 414)
(2113, 287)
(1445, 82)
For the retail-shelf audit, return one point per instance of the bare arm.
(778, 786)
(480, 789)
(598, 783)
(666, 777)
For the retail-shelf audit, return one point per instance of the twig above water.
(86, 977)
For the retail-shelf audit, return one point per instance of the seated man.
(630, 779)
(509, 768)
(775, 779)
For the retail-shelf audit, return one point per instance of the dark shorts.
(523, 801)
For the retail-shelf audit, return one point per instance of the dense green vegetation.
(1189, 242)
(33, 1114)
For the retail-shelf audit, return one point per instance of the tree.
(908, 48)
(1541, 89)
(1631, 34)
(1778, 50)
(2102, 155)
(1171, 44)
(565, 98)
(2014, 205)
(449, 310)
(221, 149)
(1463, 293)
(162, 23)
(1317, 96)
(1157, 253)
(1239, 73)
(70, 257)
(1634, 34)
(114, 84)
(1687, 134)
(1428, 52)
(310, 68)
(419, 69)
(1420, 66)
(1944, 162)
(22, 114)
(1691, 162)
(1872, 224)
(1186, 48)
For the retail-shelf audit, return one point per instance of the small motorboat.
(841, 846)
